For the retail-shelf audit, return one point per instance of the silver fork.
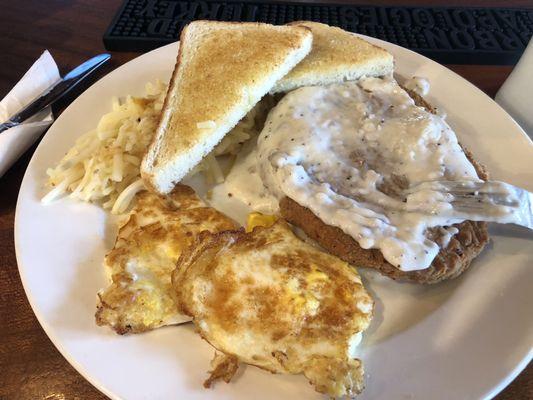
(490, 201)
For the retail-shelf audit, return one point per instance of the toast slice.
(336, 56)
(223, 69)
(450, 262)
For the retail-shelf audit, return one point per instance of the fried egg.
(157, 230)
(268, 299)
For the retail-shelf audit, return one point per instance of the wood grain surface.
(30, 366)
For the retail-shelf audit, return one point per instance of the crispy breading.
(449, 263)
(223, 367)
(278, 303)
(148, 245)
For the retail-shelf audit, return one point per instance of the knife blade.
(56, 91)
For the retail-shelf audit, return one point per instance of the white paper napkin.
(516, 93)
(15, 141)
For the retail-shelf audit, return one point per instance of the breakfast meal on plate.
(148, 245)
(268, 299)
(304, 128)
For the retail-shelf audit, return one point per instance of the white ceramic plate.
(467, 338)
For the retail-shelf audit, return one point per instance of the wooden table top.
(30, 366)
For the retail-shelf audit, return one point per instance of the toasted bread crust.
(449, 263)
(222, 70)
(147, 171)
(337, 56)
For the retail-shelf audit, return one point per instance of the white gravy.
(343, 151)
(418, 85)
(244, 183)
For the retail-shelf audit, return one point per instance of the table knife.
(56, 91)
